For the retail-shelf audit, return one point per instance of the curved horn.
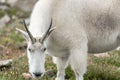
(46, 33)
(30, 35)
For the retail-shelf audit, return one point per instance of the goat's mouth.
(37, 75)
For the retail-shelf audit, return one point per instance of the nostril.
(37, 74)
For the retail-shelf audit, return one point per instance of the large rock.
(25, 5)
(102, 55)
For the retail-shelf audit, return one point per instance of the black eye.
(31, 50)
(44, 49)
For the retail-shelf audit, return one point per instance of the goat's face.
(35, 51)
(36, 58)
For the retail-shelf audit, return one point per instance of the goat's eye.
(31, 50)
(44, 49)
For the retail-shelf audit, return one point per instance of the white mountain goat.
(81, 27)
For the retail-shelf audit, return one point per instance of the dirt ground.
(11, 53)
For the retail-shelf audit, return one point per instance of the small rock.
(118, 69)
(11, 2)
(2, 1)
(4, 20)
(27, 76)
(102, 55)
(6, 63)
(4, 7)
(118, 48)
(2, 46)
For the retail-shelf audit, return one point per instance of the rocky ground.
(14, 10)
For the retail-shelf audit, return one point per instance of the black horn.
(30, 35)
(49, 30)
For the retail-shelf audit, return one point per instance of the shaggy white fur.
(82, 26)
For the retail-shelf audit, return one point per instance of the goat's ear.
(52, 29)
(25, 34)
(45, 36)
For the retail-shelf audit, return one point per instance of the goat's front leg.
(61, 65)
(78, 62)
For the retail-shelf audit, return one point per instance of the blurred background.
(13, 60)
(12, 13)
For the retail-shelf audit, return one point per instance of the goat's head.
(35, 51)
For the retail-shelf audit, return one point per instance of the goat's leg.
(61, 65)
(78, 62)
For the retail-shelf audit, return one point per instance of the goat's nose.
(37, 74)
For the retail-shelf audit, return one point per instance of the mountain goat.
(70, 29)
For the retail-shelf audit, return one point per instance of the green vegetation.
(10, 37)
(104, 68)
(1, 13)
(96, 71)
